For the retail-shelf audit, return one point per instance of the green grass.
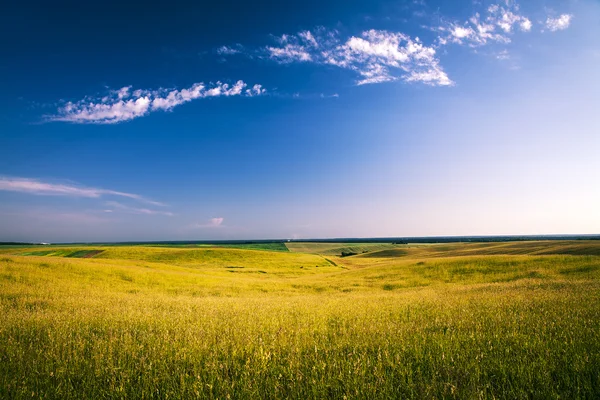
(83, 253)
(582, 247)
(447, 321)
(336, 249)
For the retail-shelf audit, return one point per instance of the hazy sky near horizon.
(296, 119)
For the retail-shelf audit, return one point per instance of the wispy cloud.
(503, 55)
(308, 37)
(375, 55)
(124, 104)
(134, 210)
(496, 26)
(230, 50)
(37, 187)
(560, 23)
(289, 53)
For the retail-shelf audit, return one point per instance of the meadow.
(516, 320)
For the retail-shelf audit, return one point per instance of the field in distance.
(454, 320)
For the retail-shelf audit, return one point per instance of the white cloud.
(560, 23)
(383, 56)
(376, 55)
(123, 105)
(506, 19)
(228, 51)
(37, 187)
(101, 112)
(460, 32)
(496, 26)
(289, 53)
(433, 76)
(378, 44)
(255, 90)
(525, 25)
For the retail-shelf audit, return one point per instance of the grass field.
(480, 320)
(336, 249)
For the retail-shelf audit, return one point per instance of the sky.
(298, 119)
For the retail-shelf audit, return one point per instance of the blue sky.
(298, 119)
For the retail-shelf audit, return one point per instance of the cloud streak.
(135, 210)
(124, 104)
(37, 187)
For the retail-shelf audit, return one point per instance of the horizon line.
(415, 239)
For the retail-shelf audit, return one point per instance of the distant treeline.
(453, 239)
(392, 240)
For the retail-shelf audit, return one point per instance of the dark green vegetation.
(267, 246)
(63, 253)
(481, 320)
(275, 246)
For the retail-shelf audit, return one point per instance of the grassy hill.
(484, 320)
(336, 249)
(583, 247)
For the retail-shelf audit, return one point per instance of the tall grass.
(139, 326)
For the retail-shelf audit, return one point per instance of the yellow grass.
(455, 321)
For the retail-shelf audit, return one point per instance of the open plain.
(464, 320)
